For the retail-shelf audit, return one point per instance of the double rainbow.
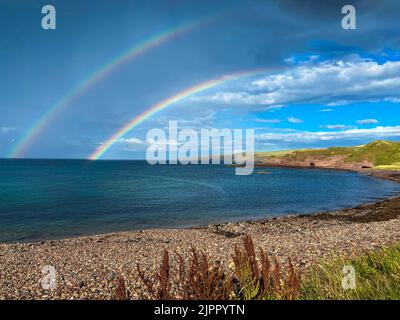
(37, 128)
(106, 145)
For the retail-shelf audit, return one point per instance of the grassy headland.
(378, 154)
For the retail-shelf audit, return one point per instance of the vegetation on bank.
(252, 275)
(378, 152)
(329, 152)
(394, 166)
(383, 154)
(377, 276)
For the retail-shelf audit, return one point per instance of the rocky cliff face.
(335, 162)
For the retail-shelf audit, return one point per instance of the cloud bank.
(310, 137)
(331, 83)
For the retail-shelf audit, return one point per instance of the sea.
(53, 199)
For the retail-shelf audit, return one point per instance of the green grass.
(379, 152)
(394, 166)
(329, 152)
(272, 153)
(377, 277)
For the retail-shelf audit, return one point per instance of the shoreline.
(391, 175)
(369, 172)
(88, 266)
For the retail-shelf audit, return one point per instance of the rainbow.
(106, 145)
(35, 130)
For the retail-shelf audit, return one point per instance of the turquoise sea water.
(49, 199)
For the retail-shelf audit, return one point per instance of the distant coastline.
(393, 175)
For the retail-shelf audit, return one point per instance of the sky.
(62, 94)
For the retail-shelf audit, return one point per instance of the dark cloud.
(328, 9)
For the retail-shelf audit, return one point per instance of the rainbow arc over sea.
(81, 87)
(106, 145)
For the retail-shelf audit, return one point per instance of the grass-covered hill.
(379, 154)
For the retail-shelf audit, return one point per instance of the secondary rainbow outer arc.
(166, 103)
(93, 78)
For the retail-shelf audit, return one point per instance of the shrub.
(120, 293)
(267, 282)
(201, 279)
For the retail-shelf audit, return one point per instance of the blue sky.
(328, 86)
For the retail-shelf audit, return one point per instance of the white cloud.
(273, 108)
(332, 83)
(326, 110)
(131, 141)
(267, 120)
(336, 127)
(338, 103)
(367, 121)
(392, 99)
(131, 144)
(228, 97)
(7, 129)
(308, 136)
(294, 120)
